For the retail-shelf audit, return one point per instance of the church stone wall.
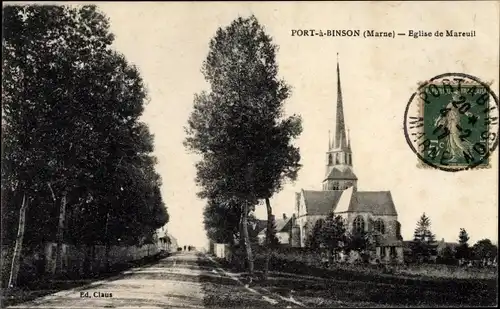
(391, 227)
(306, 224)
(295, 237)
(351, 216)
(311, 220)
(390, 222)
(297, 203)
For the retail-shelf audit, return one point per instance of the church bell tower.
(339, 172)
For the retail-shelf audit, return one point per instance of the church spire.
(329, 140)
(339, 171)
(348, 139)
(339, 134)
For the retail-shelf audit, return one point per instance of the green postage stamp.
(451, 122)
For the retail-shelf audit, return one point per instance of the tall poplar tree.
(239, 125)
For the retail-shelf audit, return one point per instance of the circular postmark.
(451, 122)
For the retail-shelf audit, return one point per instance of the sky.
(169, 41)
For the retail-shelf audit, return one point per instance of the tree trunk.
(87, 262)
(268, 237)
(106, 241)
(16, 257)
(246, 237)
(60, 234)
(241, 245)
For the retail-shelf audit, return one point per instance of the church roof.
(342, 172)
(282, 223)
(377, 202)
(323, 202)
(320, 202)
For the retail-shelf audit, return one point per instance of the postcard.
(250, 154)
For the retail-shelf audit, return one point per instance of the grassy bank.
(355, 285)
(431, 271)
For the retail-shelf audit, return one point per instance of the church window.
(380, 226)
(337, 161)
(382, 252)
(330, 160)
(359, 224)
(398, 229)
(392, 252)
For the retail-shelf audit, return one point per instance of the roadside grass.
(360, 285)
(221, 291)
(448, 271)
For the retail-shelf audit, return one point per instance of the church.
(373, 212)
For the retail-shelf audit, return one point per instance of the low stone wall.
(222, 251)
(76, 260)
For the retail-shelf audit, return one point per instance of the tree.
(72, 139)
(221, 220)
(358, 241)
(254, 228)
(423, 245)
(463, 251)
(16, 256)
(239, 126)
(333, 234)
(447, 255)
(271, 235)
(314, 240)
(219, 179)
(484, 249)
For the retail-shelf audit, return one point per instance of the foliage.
(485, 249)
(360, 241)
(273, 240)
(423, 245)
(447, 256)
(331, 233)
(221, 220)
(70, 121)
(463, 251)
(241, 118)
(314, 239)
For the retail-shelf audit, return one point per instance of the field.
(301, 275)
(415, 270)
